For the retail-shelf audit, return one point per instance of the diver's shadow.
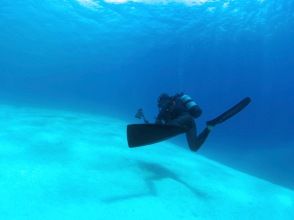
(157, 172)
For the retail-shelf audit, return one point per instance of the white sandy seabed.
(65, 165)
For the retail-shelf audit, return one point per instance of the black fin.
(144, 134)
(230, 112)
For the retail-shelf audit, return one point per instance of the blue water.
(97, 56)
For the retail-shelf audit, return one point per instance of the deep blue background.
(116, 58)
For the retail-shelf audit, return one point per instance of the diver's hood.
(163, 100)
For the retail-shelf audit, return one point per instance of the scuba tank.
(191, 105)
(188, 101)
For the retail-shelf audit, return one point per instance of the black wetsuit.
(176, 113)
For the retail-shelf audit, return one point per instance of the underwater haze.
(99, 61)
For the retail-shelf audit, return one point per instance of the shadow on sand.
(155, 173)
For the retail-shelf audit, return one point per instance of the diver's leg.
(191, 136)
(184, 121)
(194, 141)
(188, 123)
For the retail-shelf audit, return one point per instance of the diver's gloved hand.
(139, 114)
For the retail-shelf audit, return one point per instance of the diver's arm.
(159, 118)
(145, 120)
(158, 121)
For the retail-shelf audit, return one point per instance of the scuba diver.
(180, 110)
(177, 115)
